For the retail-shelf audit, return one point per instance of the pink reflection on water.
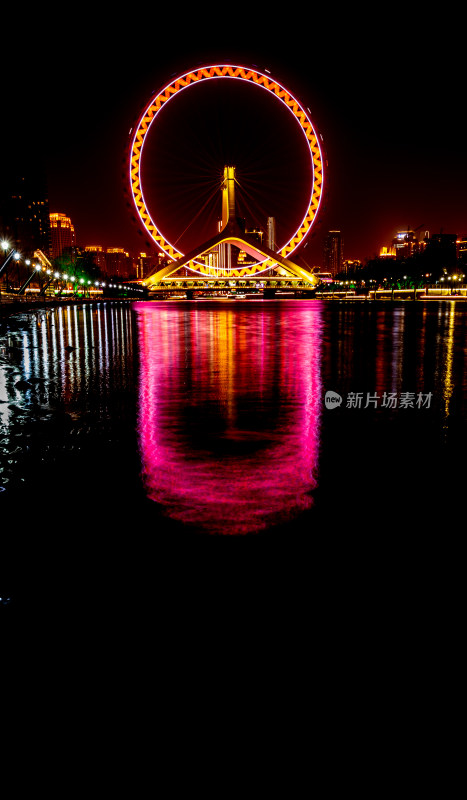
(229, 409)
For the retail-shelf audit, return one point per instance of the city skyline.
(390, 122)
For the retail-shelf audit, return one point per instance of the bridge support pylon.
(231, 233)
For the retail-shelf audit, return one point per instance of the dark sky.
(386, 90)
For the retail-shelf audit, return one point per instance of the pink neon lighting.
(218, 451)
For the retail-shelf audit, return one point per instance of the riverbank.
(12, 304)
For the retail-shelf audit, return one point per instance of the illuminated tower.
(228, 212)
(333, 252)
(62, 234)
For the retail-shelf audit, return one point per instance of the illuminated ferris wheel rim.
(231, 72)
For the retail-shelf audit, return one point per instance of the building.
(404, 245)
(24, 209)
(387, 252)
(147, 264)
(62, 234)
(462, 249)
(119, 264)
(333, 252)
(442, 249)
(98, 256)
(351, 267)
(243, 258)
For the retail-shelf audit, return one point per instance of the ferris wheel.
(312, 171)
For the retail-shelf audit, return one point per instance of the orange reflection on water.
(229, 407)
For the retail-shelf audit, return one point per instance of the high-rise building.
(244, 259)
(24, 208)
(441, 248)
(462, 249)
(405, 244)
(333, 252)
(146, 264)
(98, 256)
(119, 263)
(62, 234)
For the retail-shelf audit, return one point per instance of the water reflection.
(394, 348)
(229, 409)
(63, 372)
(229, 403)
(448, 385)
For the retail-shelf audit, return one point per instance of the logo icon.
(332, 400)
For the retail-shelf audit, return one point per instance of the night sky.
(386, 92)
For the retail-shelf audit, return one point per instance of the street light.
(5, 246)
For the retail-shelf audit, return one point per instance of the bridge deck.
(228, 284)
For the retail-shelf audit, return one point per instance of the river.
(130, 430)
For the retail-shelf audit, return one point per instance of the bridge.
(210, 269)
